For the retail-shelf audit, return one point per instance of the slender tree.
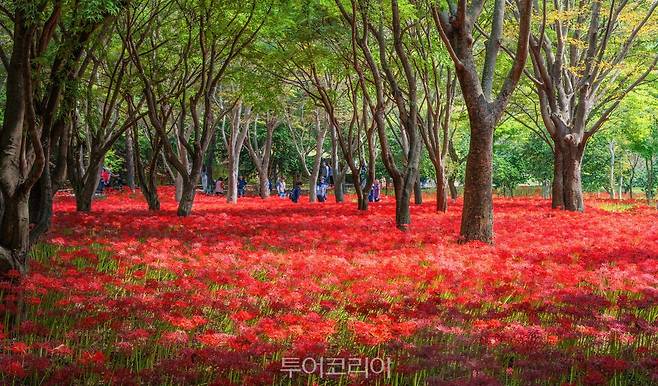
(391, 72)
(261, 154)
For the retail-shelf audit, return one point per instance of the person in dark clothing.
(296, 192)
(375, 191)
(242, 185)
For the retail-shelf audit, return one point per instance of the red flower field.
(261, 291)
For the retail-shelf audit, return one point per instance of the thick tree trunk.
(41, 205)
(403, 191)
(573, 188)
(418, 192)
(477, 216)
(15, 230)
(85, 192)
(441, 189)
(362, 202)
(147, 184)
(152, 199)
(557, 188)
(313, 178)
(187, 197)
(264, 184)
(130, 161)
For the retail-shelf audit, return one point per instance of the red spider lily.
(222, 295)
(93, 358)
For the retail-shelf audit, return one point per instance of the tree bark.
(14, 227)
(130, 161)
(611, 147)
(84, 192)
(573, 188)
(454, 193)
(418, 192)
(441, 189)
(233, 171)
(477, 216)
(339, 175)
(182, 156)
(484, 110)
(147, 178)
(187, 197)
(557, 188)
(339, 185)
(648, 162)
(403, 194)
(320, 133)
(264, 185)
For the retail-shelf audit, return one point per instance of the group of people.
(217, 187)
(325, 180)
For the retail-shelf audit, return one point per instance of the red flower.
(92, 358)
(19, 348)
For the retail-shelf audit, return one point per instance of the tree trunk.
(362, 202)
(130, 161)
(454, 193)
(210, 157)
(573, 188)
(152, 199)
(182, 156)
(611, 147)
(148, 185)
(232, 188)
(418, 192)
(557, 188)
(339, 181)
(41, 205)
(84, 194)
(630, 184)
(477, 216)
(648, 162)
(15, 230)
(187, 197)
(403, 191)
(441, 189)
(264, 184)
(339, 177)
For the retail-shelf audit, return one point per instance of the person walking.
(321, 190)
(375, 191)
(204, 181)
(296, 192)
(242, 185)
(105, 179)
(281, 187)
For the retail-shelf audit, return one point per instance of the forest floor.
(261, 291)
